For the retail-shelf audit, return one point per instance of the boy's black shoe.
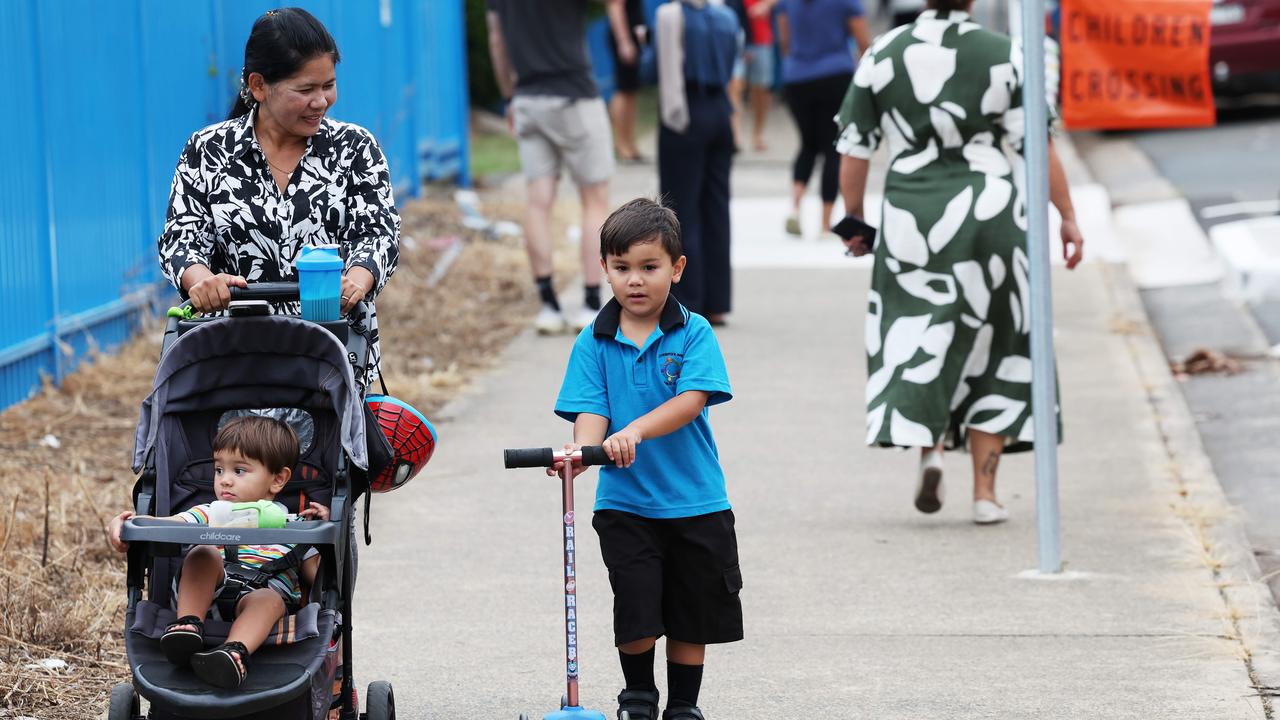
(638, 704)
(685, 712)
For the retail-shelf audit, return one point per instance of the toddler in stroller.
(253, 457)
(214, 372)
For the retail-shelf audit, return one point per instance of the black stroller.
(211, 368)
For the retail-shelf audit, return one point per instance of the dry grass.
(62, 589)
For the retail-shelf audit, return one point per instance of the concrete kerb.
(1250, 613)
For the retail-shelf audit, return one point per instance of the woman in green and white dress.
(948, 319)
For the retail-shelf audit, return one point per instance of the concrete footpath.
(856, 605)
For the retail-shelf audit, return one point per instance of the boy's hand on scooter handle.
(554, 470)
(621, 446)
(113, 531)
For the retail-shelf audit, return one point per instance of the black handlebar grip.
(529, 457)
(278, 291)
(594, 455)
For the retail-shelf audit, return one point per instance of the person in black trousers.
(696, 44)
(817, 66)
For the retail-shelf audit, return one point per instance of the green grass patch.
(493, 154)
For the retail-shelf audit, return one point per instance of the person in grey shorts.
(539, 55)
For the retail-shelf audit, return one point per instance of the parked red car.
(1244, 46)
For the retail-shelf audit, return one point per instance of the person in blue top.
(697, 42)
(817, 66)
(645, 374)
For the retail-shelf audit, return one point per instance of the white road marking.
(1165, 245)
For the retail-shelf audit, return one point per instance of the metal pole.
(1043, 374)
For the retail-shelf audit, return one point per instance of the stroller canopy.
(254, 362)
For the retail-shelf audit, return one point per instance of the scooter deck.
(574, 713)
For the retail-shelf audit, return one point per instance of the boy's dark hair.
(266, 440)
(639, 221)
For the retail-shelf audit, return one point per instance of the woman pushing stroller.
(248, 195)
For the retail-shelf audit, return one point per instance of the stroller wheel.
(124, 703)
(380, 702)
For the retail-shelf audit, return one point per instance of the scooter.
(545, 458)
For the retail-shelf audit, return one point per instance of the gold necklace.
(277, 168)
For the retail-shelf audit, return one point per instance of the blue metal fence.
(102, 97)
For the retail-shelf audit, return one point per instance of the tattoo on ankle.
(991, 463)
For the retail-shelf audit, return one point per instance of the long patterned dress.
(948, 321)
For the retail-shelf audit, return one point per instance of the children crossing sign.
(1136, 64)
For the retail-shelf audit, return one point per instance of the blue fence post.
(50, 224)
(461, 94)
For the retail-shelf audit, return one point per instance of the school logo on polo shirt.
(669, 365)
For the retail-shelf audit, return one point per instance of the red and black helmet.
(412, 440)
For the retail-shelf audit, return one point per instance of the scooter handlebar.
(546, 457)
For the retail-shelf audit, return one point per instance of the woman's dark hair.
(949, 4)
(281, 42)
(640, 221)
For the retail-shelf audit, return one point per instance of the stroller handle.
(274, 291)
(546, 457)
(270, 291)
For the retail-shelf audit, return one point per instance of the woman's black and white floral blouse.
(226, 212)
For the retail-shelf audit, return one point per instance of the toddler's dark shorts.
(677, 577)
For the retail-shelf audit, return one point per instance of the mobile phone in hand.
(852, 227)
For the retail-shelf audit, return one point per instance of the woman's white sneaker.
(929, 486)
(986, 512)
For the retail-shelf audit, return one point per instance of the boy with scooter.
(645, 372)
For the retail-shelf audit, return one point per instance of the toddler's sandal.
(218, 666)
(180, 644)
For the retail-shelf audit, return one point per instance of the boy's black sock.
(591, 296)
(683, 684)
(637, 670)
(547, 292)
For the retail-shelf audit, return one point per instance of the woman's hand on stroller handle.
(210, 292)
(356, 284)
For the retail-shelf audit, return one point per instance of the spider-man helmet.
(411, 437)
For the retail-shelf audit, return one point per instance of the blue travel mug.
(320, 282)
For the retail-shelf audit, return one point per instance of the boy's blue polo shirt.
(676, 475)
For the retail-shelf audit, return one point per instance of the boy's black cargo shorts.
(677, 577)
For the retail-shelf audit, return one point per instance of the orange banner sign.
(1135, 64)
